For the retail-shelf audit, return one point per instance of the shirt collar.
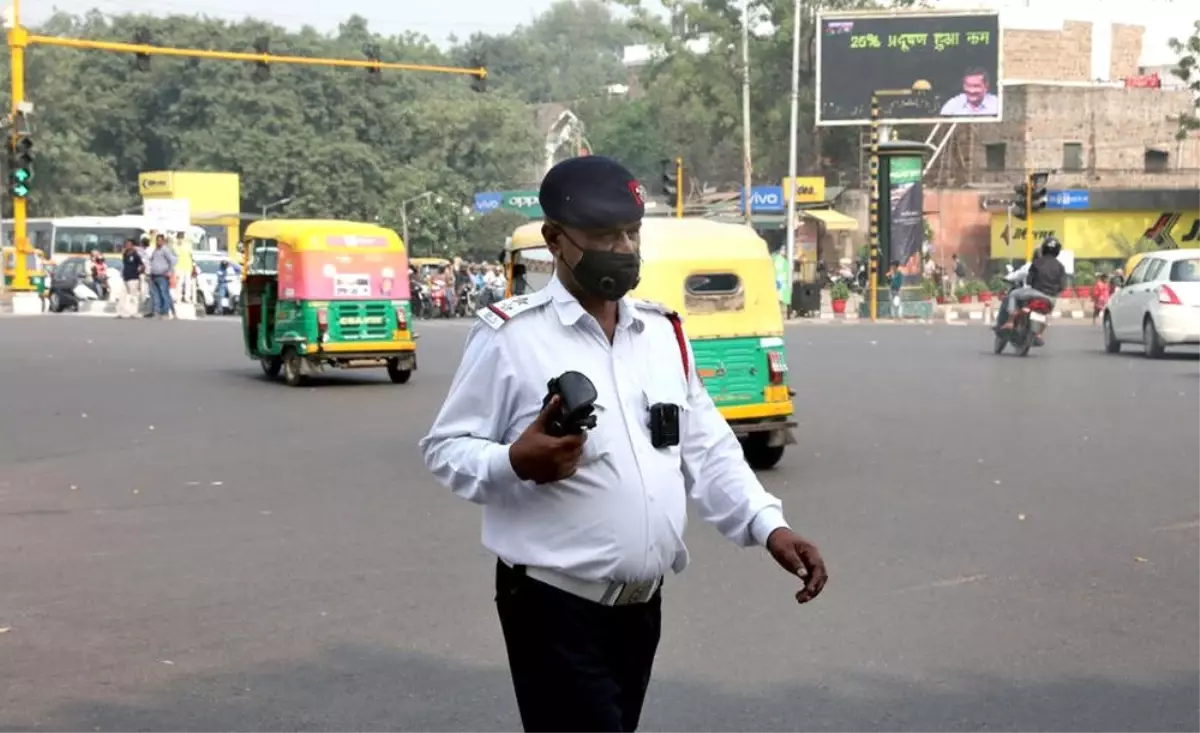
(570, 311)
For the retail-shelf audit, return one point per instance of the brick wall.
(1066, 55)
(1126, 50)
(1113, 126)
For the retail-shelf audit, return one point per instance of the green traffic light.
(20, 190)
(21, 175)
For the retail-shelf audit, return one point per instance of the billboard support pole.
(873, 254)
(792, 135)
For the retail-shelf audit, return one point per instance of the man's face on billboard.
(975, 87)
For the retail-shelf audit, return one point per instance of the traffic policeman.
(586, 525)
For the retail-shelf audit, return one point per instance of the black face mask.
(608, 275)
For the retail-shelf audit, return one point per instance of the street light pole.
(791, 195)
(747, 166)
(275, 204)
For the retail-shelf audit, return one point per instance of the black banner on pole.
(906, 232)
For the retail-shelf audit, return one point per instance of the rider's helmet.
(1051, 247)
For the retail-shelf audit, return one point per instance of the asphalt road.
(1013, 544)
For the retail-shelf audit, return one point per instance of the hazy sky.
(437, 19)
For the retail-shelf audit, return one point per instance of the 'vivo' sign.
(763, 198)
(489, 201)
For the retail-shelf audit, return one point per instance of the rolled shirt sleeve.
(464, 449)
(720, 483)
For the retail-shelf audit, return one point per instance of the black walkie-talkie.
(577, 397)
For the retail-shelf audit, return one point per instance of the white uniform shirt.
(621, 517)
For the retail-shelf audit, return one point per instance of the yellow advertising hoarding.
(809, 189)
(1096, 235)
(214, 199)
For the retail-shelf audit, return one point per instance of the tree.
(341, 146)
(1188, 69)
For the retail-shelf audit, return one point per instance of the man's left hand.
(799, 557)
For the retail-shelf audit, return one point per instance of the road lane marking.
(949, 583)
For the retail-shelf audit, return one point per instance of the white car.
(1159, 305)
(206, 281)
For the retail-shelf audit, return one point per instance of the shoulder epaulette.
(653, 305)
(497, 314)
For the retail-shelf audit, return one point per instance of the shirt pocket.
(598, 443)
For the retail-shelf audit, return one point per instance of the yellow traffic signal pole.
(873, 253)
(19, 38)
(679, 188)
(1028, 216)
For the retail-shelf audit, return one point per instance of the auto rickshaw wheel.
(759, 452)
(271, 365)
(397, 375)
(292, 365)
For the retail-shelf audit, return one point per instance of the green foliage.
(997, 284)
(839, 291)
(343, 147)
(1084, 278)
(1084, 267)
(1188, 69)
(340, 145)
(929, 288)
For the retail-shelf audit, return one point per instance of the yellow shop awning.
(834, 221)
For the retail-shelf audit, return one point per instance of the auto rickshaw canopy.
(718, 275)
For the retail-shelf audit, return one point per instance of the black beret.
(592, 192)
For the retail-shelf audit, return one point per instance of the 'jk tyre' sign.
(925, 67)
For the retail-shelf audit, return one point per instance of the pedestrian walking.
(585, 526)
(131, 275)
(162, 263)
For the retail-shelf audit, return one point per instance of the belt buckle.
(638, 592)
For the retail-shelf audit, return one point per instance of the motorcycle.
(1029, 323)
(440, 304)
(466, 305)
(422, 303)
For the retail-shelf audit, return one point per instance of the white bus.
(80, 235)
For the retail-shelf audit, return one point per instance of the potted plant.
(983, 291)
(998, 285)
(929, 290)
(839, 294)
(963, 293)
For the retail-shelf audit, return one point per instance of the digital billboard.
(925, 67)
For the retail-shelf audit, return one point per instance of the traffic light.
(479, 83)
(1037, 183)
(262, 70)
(371, 51)
(141, 37)
(670, 179)
(1020, 200)
(20, 160)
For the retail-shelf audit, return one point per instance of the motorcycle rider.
(1043, 276)
(226, 272)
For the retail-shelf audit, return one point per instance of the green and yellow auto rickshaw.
(721, 279)
(35, 268)
(321, 293)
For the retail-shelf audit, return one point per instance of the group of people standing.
(166, 270)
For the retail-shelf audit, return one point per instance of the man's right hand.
(540, 457)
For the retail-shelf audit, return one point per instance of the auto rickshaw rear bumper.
(774, 418)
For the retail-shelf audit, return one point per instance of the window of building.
(1072, 156)
(994, 154)
(1156, 160)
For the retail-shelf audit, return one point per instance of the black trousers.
(576, 665)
